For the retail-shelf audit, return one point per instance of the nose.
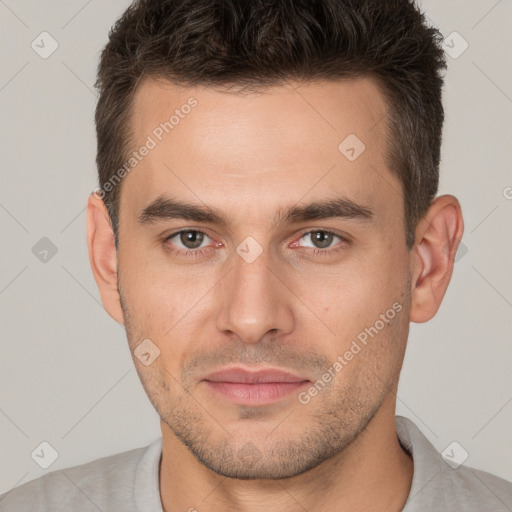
(254, 300)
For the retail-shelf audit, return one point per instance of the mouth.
(261, 387)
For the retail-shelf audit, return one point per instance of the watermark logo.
(44, 455)
(455, 45)
(146, 352)
(249, 249)
(44, 250)
(249, 454)
(454, 454)
(352, 147)
(44, 45)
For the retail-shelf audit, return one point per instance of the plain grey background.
(66, 375)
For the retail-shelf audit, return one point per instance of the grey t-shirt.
(128, 482)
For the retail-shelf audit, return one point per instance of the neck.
(372, 473)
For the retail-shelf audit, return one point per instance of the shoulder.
(106, 483)
(441, 485)
(477, 489)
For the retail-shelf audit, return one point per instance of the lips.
(260, 387)
(243, 376)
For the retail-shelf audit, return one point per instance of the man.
(266, 228)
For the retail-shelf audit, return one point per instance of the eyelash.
(191, 253)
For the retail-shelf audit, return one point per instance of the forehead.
(318, 114)
(266, 149)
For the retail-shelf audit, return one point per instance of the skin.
(249, 155)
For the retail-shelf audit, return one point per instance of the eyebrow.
(165, 208)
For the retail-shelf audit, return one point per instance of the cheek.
(168, 307)
(368, 351)
(156, 290)
(351, 298)
(355, 304)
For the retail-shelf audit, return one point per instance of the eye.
(187, 242)
(322, 240)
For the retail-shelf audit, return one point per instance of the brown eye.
(191, 239)
(187, 240)
(320, 239)
(322, 243)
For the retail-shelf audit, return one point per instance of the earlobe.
(437, 238)
(102, 255)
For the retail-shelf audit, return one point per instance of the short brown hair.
(258, 43)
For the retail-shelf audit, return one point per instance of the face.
(278, 299)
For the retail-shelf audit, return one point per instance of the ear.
(102, 255)
(438, 236)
